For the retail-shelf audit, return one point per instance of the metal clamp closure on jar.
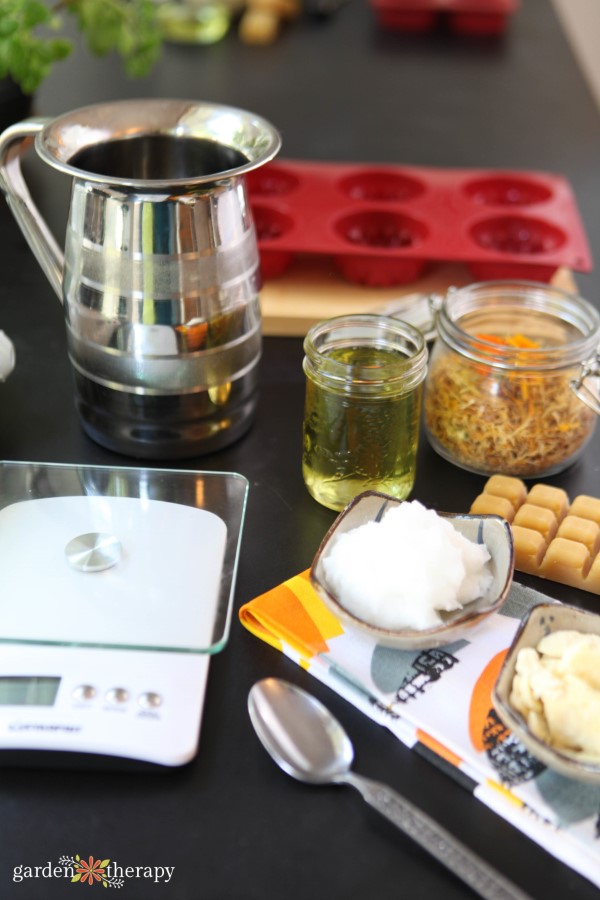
(582, 390)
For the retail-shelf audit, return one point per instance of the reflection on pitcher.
(160, 274)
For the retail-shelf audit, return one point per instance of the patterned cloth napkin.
(439, 703)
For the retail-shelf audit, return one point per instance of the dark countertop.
(231, 824)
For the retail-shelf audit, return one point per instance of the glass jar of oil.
(364, 376)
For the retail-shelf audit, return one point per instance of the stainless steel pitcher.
(160, 274)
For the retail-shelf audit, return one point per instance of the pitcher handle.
(37, 234)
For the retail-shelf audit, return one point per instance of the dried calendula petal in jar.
(499, 395)
(517, 423)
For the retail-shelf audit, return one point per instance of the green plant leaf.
(35, 13)
(30, 41)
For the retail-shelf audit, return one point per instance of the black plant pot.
(14, 104)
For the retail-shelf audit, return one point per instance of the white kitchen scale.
(116, 587)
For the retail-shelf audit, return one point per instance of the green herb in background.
(31, 41)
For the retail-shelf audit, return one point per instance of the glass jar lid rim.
(563, 305)
(367, 330)
(373, 323)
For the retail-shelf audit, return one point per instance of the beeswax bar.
(553, 538)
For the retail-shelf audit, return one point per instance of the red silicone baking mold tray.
(382, 225)
(463, 16)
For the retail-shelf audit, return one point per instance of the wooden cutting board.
(312, 289)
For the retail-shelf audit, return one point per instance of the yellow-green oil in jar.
(364, 379)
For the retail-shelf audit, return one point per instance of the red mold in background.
(270, 181)
(474, 23)
(475, 17)
(507, 191)
(518, 235)
(270, 225)
(405, 20)
(516, 271)
(381, 229)
(376, 272)
(381, 186)
(383, 224)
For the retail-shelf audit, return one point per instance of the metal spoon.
(307, 742)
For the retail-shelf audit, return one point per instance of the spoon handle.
(465, 864)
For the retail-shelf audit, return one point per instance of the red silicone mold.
(464, 16)
(382, 225)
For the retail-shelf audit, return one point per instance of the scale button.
(150, 700)
(117, 695)
(84, 692)
(93, 552)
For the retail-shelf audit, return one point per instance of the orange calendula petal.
(522, 342)
(519, 341)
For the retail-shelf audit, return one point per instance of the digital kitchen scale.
(116, 586)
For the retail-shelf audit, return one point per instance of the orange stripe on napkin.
(438, 748)
(291, 612)
(325, 621)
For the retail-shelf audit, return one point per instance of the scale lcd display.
(28, 690)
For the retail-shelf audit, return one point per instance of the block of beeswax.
(566, 561)
(586, 507)
(553, 538)
(574, 528)
(538, 518)
(490, 505)
(530, 547)
(551, 497)
(511, 489)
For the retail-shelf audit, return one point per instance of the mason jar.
(512, 386)
(364, 376)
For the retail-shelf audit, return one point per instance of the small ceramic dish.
(491, 530)
(540, 621)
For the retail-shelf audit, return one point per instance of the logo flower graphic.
(91, 872)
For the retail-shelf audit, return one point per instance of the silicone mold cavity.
(271, 225)
(381, 229)
(272, 181)
(381, 186)
(502, 191)
(518, 235)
